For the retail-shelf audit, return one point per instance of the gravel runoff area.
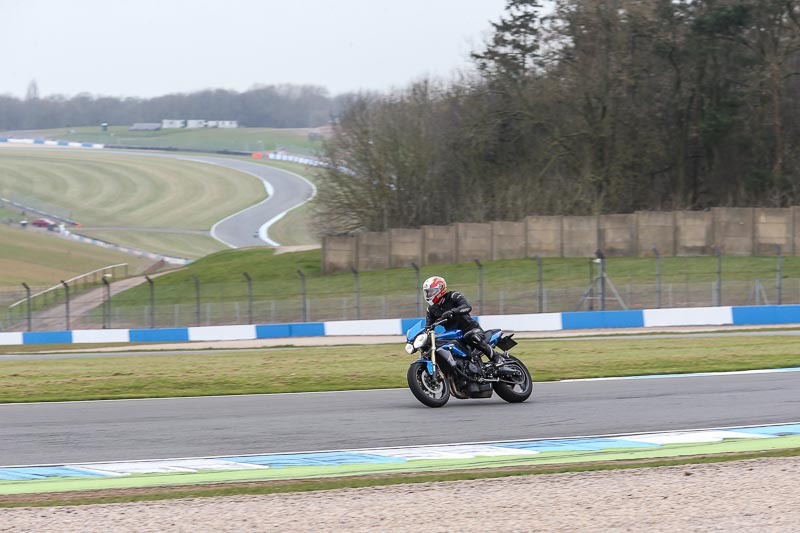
(758, 495)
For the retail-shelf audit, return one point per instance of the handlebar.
(437, 323)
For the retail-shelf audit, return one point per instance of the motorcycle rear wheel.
(431, 390)
(521, 389)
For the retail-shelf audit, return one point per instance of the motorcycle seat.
(487, 335)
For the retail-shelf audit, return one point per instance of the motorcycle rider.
(454, 308)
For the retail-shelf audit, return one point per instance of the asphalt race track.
(287, 191)
(53, 433)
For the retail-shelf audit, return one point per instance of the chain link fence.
(521, 287)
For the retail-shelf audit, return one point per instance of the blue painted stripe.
(766, 314)
(313, 459)
(62, 143)
(42, 472)
(3, 139)
(406, 323)
(158, 335)
(87, 145)
(272, 331)
(38, 141)
(307, 329)
(47, 337)
(603, 319)
(775, 431)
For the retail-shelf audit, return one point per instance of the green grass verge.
(367, 367)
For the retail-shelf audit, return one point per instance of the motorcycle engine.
(474, 367)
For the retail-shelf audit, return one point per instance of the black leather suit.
(457, 305)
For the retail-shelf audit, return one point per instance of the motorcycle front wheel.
(517, 385)
(431, 390)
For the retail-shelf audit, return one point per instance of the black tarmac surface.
(58, 433)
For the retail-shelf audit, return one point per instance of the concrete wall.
(773, 228)
(438, 245)
(405, 247)
(693, 233)
(735, 230)
(617, 235)
(473, 241)
(508, 240)
(372, 250)
(655, 229)
(579, 237)
(338, 253)
(544, 236)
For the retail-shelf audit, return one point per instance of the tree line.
(588, 107)
(276, 106)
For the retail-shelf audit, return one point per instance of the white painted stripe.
(390, 326)
(80, 336)
(693, 437)
(165, 466)
(222, 333)
(693, 316)
(10, 338)
(528, 322)
(692, 375)
(448, 451)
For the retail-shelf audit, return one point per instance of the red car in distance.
(43, 223)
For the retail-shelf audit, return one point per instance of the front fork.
(432, 362)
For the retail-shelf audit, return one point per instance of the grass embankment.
(241, 139)
(38, 259)
(367, 367)
(275, 277)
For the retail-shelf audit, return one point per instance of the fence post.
(480, 286)
(658, 277)
(197, 300)
(66, 302)
(152, 302)
(107, 303)
(539, 290)
(28, 303)
(419, 289)
(718, 292)
(249, 297)
(779, 280)
(601, 258)
(358, 293)
(303, 293)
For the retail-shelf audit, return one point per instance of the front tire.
(522, 386)
(431, 390)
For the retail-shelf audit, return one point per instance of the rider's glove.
(447, 315)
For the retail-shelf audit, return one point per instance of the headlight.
(419, 340)
(409, 348)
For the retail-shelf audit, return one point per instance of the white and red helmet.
(433, 289)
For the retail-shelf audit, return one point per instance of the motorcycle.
(448, 366)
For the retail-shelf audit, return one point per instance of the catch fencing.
(524, 287)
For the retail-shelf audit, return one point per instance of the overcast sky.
(153, 47)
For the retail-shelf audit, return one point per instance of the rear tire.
(521, 389)
(431, 390)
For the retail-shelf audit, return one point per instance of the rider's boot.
(498, 358)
